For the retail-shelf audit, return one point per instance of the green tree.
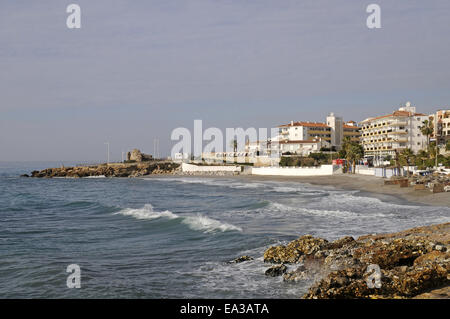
(354, 153)
(406, 157)
(234, 145)
(420, 159)
(427, 129)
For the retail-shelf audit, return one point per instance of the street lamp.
(107, 144)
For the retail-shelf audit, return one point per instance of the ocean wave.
(272, 186)
(208, 225)
(197, 222)
(146, 212)
(212, 182)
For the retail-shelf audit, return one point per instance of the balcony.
(398, 123)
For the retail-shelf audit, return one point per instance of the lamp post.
(107, 144)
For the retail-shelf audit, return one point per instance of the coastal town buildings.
(302, 147)
(441, 126)
(330, 134)
(352, 131)
(389, 134)
(304, 131)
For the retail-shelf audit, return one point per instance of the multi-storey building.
(331, 133)
(352, 131)
(303, 131)
(441, 124)
(385, 135)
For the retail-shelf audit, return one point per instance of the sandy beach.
(370, 184)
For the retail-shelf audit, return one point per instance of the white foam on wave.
(208, 225)
(216, 182)
(197, 222)
(147, 212)
(277, 209)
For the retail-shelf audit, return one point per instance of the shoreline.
(370, 185)
(373, 185)
(363, 183)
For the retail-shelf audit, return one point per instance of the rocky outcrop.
(412, 263)
(110, 170)
(137, 156)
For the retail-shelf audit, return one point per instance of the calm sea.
(171, 237)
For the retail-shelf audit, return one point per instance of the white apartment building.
(331, 133)
(304, 131)
(384, 135)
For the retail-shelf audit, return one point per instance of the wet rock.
(434, 256)
(305, 245)
(240, 259)
(409, 261)
(344, 241)
(276, 270)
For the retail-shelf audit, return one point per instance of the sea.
(172, 237)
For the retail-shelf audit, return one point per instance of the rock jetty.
(110, 170)
(413, 264)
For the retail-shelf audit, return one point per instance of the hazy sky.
(138, 69)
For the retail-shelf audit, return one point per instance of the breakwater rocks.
(412, 264)
(110, 170)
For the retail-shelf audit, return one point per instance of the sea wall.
(297, 171)
(190, 168)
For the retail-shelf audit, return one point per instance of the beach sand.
(364, 183)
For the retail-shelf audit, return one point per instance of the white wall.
(195, 168)
(364, 170)
(296, 171)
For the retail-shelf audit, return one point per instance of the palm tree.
(234, 144)
(427, 129)
(354, 153)
(405, 156)
(422, 155)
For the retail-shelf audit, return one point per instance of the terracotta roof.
(395, 113)
(307, 124)
(351, 126)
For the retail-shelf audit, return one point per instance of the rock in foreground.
(413, 264)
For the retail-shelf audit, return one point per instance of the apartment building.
(384, 135)
(441, 123)
(302, 131)
(331, 133)
(352, 131)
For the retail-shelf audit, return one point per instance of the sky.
(136, 70)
